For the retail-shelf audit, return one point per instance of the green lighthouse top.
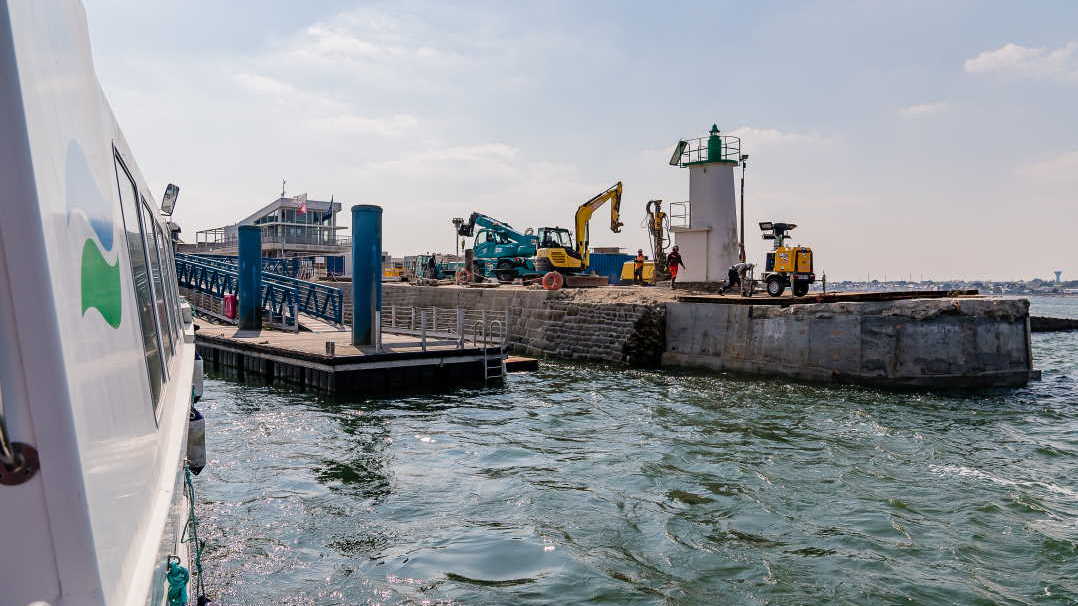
(715, 148)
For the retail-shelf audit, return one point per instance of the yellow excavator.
(556, 251)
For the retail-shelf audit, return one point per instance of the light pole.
(744, 163)
(457, 222)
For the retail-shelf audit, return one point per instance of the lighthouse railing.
(679, 214)
(696, 150)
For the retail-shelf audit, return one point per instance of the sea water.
(588, 484)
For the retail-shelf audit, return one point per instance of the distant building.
(290, 227)
(1059, 276)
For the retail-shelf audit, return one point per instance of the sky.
(932, 140)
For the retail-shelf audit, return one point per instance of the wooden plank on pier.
(313, 324)
(311, 346)
(850, 297)
(521, 364)
(303, 359)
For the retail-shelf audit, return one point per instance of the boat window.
(140, 280)
(167, 268)
(170, 276)
(158, 283)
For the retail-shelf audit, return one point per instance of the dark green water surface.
(585, 484)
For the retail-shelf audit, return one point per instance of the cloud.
(1062, 167)
(390, 126)
(455, 162)
(769, 136)
(923, 109)
(1012, 59)
(322, 111)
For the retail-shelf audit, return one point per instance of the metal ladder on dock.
(493, 368)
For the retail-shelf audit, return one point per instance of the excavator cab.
(562, 256)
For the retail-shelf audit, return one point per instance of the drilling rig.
(658, 229)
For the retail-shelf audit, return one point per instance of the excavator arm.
(587, 209)
(468, 229)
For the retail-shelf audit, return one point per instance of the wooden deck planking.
(314, 343)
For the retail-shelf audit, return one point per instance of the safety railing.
(679, 214)
(217, 279)
(726, 149)
(464, 327)
(316, 300)
(285, 266)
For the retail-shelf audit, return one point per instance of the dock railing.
(279, 300)
(444, 326)
(316, 300)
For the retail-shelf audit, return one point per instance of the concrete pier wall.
(543, 323)
(921, 342)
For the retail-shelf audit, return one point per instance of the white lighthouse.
(709, 243)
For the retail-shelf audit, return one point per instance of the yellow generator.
(786, 265)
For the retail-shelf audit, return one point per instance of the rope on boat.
(190, 535)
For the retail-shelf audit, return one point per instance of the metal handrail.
(490, 330)
(445, 324)
(696, 150)
(279, 299)
(318, 300)
(680, 218)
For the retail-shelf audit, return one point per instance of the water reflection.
(582, 484)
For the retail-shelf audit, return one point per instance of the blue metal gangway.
(284, 297)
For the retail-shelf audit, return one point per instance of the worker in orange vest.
(638, 267)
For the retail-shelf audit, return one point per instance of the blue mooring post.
(250, 277)
(366, 272)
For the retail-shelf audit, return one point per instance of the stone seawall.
(956, 342)
(555, 324)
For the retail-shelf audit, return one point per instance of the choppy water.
(584, 484)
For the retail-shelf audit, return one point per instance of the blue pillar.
(366, 272)
(250, 277)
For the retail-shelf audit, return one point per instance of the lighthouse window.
(140, 280)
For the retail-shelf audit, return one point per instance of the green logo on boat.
(100, 284)
(100, 279)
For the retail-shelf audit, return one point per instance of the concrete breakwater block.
(960, 342)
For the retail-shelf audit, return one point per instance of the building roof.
(320, 205)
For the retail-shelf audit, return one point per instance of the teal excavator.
(499, 250)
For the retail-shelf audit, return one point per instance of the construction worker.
(432, 268)
(638, 267)
(736, 274)
(673, 260)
